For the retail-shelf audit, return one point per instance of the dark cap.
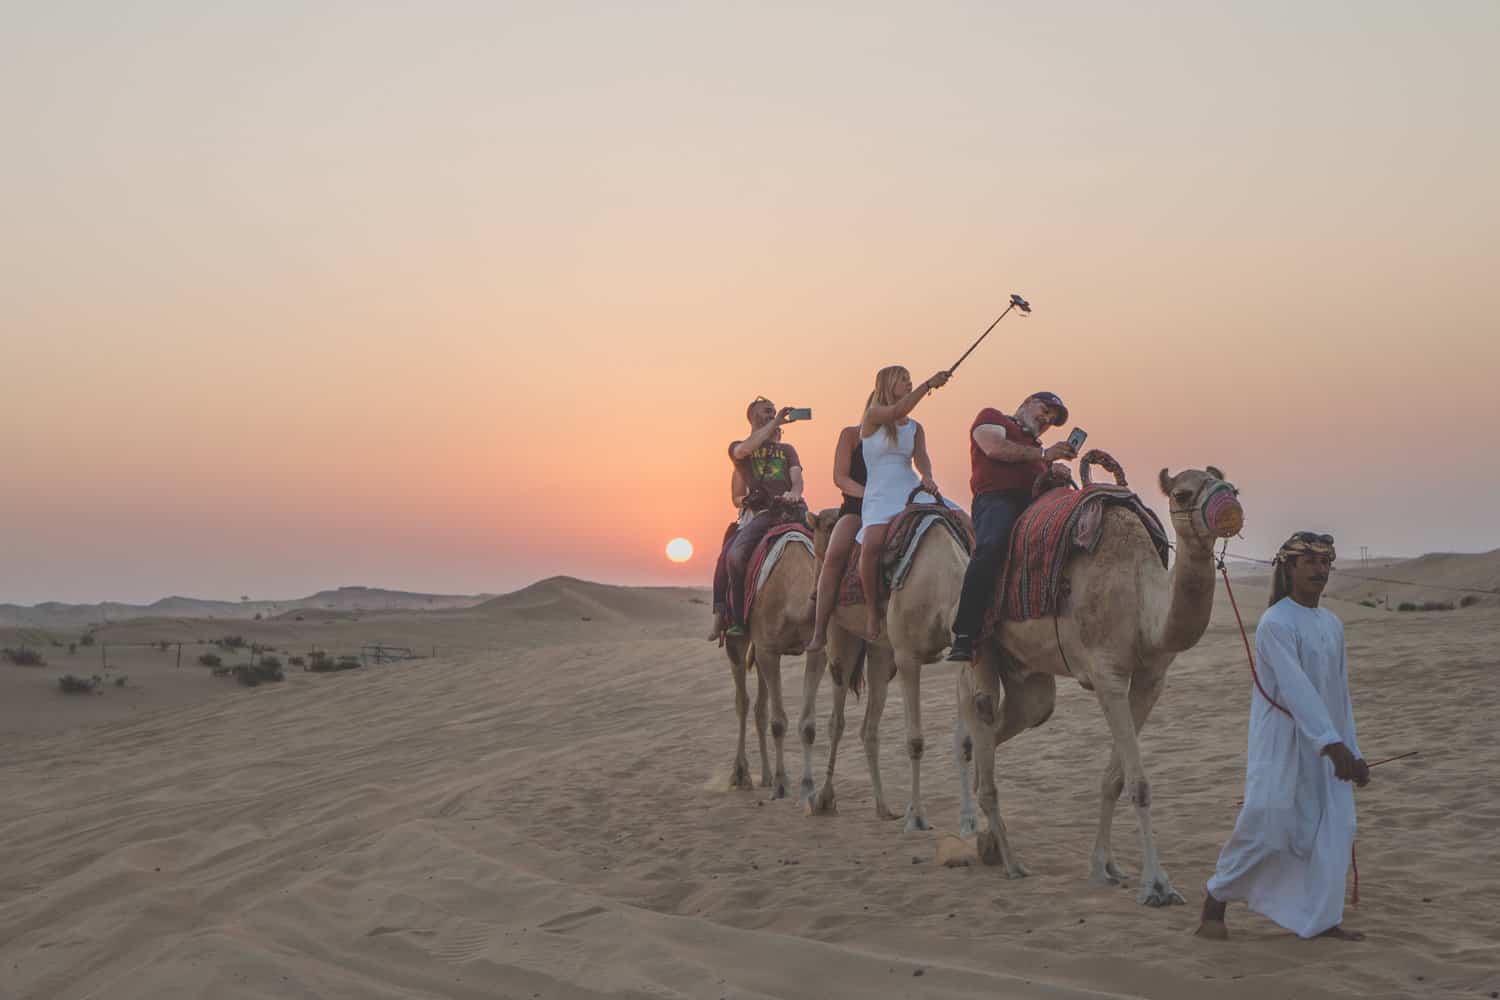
(1052, 400)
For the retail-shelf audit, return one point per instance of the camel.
(916, 631)
(780, 624)
(1126, 620)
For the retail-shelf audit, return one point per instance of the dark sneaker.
(962, 651)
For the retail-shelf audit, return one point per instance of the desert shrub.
(120, 681)
(72, 647)
(1367, 603)
(1406, 606)
(1469, 601)
(1437, 606)
(270, 661)
(210, 660)
(297, 661)
(252, 675)
(231, 642)
(25, 657)
(163, 645)
(258, 616)
(87, 639)
(78, 685)
(348, 662)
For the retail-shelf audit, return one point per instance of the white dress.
(1290, 850)
(889, 476)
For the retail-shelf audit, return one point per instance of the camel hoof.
(1159, 893)
(825, 804)
(1108, 873)
(1016, 870)
(984, 708)
(778, 790)
(881, 812)
(741, 777)
(916, 821)
(806, 792)
(967, 825)
(987, 845)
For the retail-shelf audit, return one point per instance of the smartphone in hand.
(1077, 438)
(799, 413)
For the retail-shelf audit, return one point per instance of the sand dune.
(563, 598)
(542, 813)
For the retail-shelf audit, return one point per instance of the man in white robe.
(1291, 846)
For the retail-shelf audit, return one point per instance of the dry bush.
(210, 660)
(78, 685)
(25, 657)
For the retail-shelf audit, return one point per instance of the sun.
(679, 550)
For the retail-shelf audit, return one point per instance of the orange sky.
(453, 297)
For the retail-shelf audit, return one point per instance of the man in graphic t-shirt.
(772, 475)
(1005, 458)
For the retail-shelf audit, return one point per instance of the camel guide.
(1291, 846)
(771, 474)
(1005, 458)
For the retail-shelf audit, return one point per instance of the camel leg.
(807, 725)
(761, 713)
(769, 665)
(1144, 690)
(826, 803)
(740, 778)
(911, 700)
(963, 756)
(1114, 698)
(878, 679)
(992, 843)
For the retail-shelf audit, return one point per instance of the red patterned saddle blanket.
(900, 545)
(1058, 523)
(768, 552)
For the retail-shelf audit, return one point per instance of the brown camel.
(916, 630)
(1126, 619)
(780, 624)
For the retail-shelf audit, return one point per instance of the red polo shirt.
(990, 476)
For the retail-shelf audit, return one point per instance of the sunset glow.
(679, 550)
(314, 295)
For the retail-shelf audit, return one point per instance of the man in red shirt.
(1005, 457)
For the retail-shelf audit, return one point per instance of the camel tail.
(857, 673)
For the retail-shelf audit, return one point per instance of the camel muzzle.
(1223, 514)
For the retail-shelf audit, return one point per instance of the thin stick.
(1399, 756)
(986, 333)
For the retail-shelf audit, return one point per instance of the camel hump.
(1058, 524)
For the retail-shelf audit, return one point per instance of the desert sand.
(540, 810)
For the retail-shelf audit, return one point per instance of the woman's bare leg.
(835, 561)
(869, 576)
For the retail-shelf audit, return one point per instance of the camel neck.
(1190, 600)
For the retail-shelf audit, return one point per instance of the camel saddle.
(768, 553)
(900, 546)
(1058, 523)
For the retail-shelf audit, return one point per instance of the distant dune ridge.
(58, 615)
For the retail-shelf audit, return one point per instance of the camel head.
(822, 524)
(1204, 505)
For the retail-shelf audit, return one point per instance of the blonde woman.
(892, 444)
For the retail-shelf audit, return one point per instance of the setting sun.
(679, 550)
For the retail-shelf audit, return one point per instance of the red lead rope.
(1250, 656)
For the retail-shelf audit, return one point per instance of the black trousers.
(995, 516)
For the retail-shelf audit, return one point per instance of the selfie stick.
(1016, 302)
